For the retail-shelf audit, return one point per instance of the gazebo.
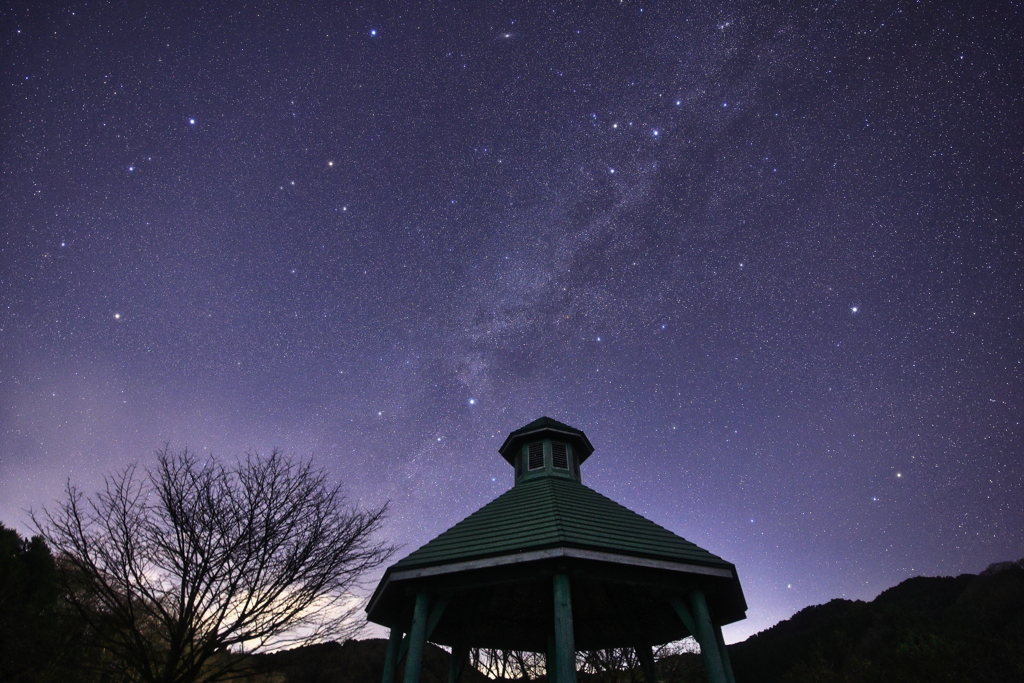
(553, 566)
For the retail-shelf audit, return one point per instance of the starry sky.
(769, 259)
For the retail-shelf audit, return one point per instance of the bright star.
(373, 31)
(853, 309)
(191, 122)
(117, 316)
(472, 401)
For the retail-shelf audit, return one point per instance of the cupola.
(547, 448)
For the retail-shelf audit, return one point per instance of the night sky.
(771, 261)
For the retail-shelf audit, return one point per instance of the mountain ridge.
(948, 628)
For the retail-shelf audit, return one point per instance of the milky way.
(769, 260)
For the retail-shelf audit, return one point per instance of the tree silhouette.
(178, 568)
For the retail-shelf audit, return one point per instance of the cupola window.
(559, 456)
(535, 455)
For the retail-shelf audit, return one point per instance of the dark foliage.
(354, 662)
(964, 628)
(40, 636)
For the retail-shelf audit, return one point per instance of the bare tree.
(508, 664)
(611, 665)
(177, 568)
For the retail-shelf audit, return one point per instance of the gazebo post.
(457, 662)
(549, 662)
(565, 649)
(646, 656)
(724, 653)
(706, 636)
(417, 638)
(391, 657)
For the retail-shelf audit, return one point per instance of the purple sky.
(769, 260)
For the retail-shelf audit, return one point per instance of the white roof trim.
(560, 552)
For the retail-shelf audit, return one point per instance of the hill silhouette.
(355, 661)
(963, 628)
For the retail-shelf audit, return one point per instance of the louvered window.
(559, 456)
(536, 455)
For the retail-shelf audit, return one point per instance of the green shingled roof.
(550, 512)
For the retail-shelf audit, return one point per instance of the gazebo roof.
(549, 513)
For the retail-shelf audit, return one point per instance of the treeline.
(42, 639)
(963, 629)
(935, 629)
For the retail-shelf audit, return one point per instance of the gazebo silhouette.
(553, 566)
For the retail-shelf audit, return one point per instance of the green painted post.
(436, 610)
(724, 653)
(391, 658)
(549, 663)
(457, 662)
(417, 639)
(684, 615)
(565, 648)
(646, 656)
(706, 636)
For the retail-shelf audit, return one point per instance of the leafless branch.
(176, 567)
